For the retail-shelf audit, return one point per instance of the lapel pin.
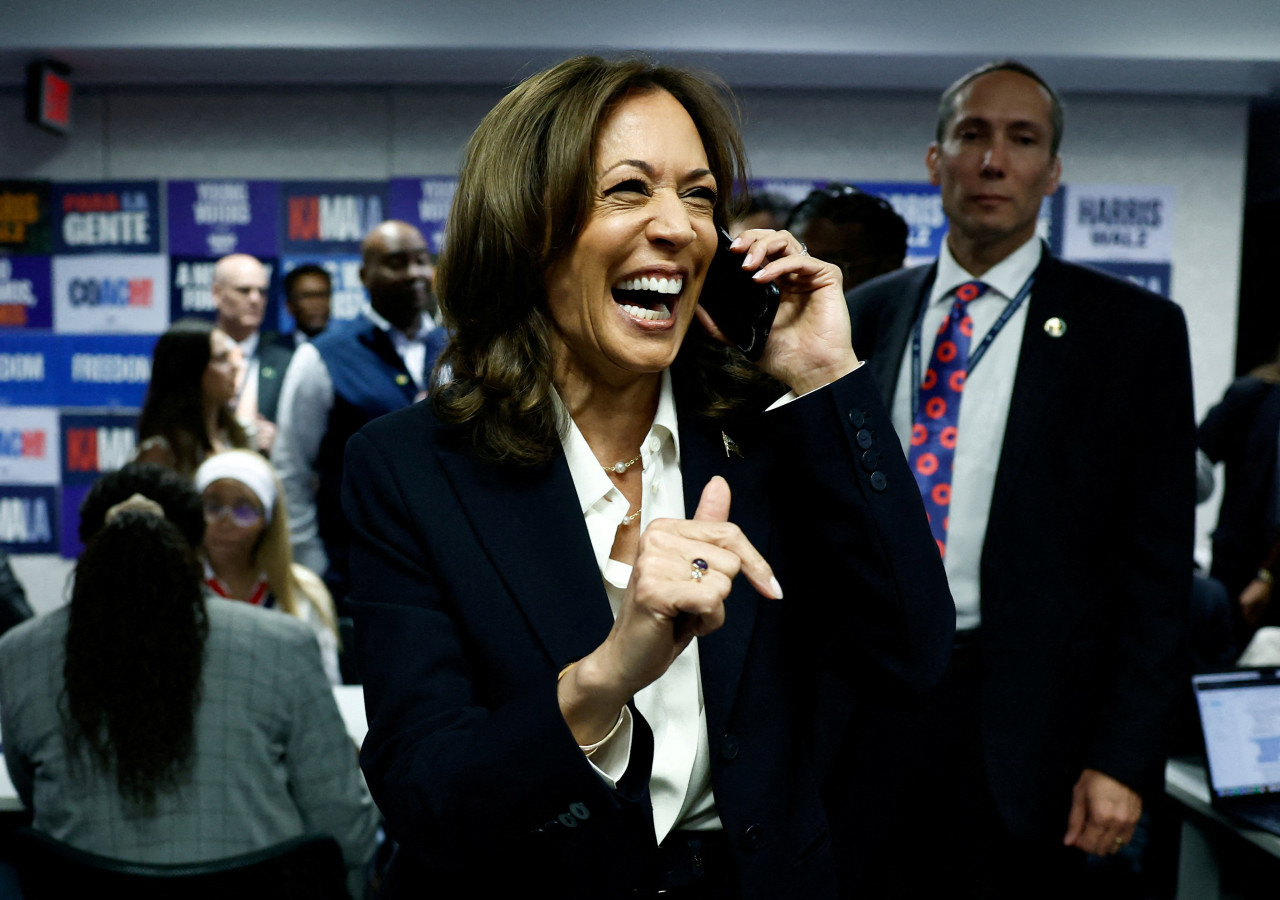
(402, 380)
(268, 372)
(1055, 327)
(730, 446)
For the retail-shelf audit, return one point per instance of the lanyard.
(976, 355)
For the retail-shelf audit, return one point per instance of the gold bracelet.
(588, 749)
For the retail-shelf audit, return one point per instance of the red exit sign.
(49, 96)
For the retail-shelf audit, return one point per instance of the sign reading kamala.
(106, 217)
(423, 203)
(24, 217)
(28, 445)
(25, 297)
(109, 293)
(94, 444)
(28, 521)
(214, 218)
(1119, 222)
(329, 217)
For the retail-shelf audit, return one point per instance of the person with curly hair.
(147, 723)
(187, 413)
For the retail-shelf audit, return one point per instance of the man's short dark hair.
(884, 230)
(947, 105)
(301, 271)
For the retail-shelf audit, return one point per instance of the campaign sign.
(329, 217)
(95, 444)
(1155, 277)
(28, 518)
(102, 370)
(423, 203)
(1119, 222)
(24, 217)
(920, 205)
(191, 288)
(106, 217)
(69, 519)
(28, 445)
(794, 189)
(214, 218)
(109, 293)
(348, 297)
(27, 362)
(26, 298)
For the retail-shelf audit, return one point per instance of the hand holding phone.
(742, 308)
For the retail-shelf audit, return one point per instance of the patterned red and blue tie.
(933, 432)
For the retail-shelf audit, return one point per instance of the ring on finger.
(1119, 842)
(697, 569)
(804, 248)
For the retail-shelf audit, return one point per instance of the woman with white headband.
(247, 552)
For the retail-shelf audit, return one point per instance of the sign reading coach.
(120, 294)
(110, 217)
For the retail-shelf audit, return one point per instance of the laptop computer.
(1240, 721)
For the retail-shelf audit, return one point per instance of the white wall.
(1196, 145)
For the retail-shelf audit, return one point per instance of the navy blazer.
(1241, 433)
(475, 583)
(1086, 567)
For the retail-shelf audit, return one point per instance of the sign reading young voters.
(1132, 223)
(29, 518)
(214, 218)
(110, 293)
(106, 217)
(26, 298)
(423, 203)
(329, 217)
(24, 217)
(29, 445)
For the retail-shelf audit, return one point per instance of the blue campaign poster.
(424, 203)
(26, 292)
(106, 217)
(329, 217)
(214, 218)
(29, 518)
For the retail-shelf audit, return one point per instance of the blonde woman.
(247, 552)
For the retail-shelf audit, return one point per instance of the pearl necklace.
(620, 467)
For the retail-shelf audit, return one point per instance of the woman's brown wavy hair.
(527, 181)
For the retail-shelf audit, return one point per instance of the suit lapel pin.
(268, 372)
(402, 380)
(1055, 327)
(730, 446)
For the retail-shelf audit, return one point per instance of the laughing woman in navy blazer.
(569, 687)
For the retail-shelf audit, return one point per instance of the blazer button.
(752, 838)
(871, 460)
(879, 481)
(729, 747)
(579, 811)
(857, 418)
(863, 437)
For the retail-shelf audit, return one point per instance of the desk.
(1206, 832)
(350, 700)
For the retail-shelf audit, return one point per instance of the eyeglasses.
(244, 515)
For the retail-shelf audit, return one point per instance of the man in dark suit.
(350, 374)
(1061, 494)
(240, 298)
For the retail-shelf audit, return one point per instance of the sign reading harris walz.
(1123, 229)
(320, 218)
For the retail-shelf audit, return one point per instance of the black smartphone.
(742, 308)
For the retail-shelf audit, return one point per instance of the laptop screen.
(1240, 718)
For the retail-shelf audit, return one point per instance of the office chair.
(308, 867)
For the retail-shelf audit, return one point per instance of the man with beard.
(350, 374)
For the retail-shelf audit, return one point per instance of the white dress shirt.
(680, 782)
(306, 399)
(983, 411)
